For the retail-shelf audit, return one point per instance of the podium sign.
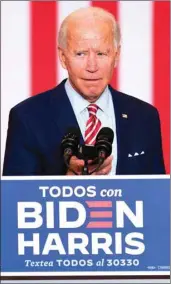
(79, 226)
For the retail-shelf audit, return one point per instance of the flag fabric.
(29, 56)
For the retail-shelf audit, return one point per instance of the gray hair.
(82, 13)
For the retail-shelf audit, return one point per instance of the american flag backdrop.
(30, 65)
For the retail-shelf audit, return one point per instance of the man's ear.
(117, 56)
(62, 57)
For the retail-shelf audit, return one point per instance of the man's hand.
(77, 165)
(104, 169)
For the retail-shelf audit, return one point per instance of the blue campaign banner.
(103, 226)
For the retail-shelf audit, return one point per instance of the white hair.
(82, 13)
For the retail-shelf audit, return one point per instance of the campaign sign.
(96, 226)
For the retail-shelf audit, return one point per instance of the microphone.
(69, 144)
(103, 143)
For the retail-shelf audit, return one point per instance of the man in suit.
(89, 48)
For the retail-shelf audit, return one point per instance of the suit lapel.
(122, 120)
(62, 111)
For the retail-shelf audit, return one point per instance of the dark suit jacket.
(38, 124)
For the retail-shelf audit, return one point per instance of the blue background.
(153, 192)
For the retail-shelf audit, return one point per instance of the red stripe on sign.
(101, 204)
(161, 87)
(101, 214)
(99, 225)
(43, 35)
(111, 7)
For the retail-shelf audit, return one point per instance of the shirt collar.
(79, 103)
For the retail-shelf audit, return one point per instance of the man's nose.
(92, 64)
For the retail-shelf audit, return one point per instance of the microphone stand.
(100, 159)
(85, 168)
(100, 162)
(85, 171)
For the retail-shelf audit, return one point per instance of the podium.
(71, 230)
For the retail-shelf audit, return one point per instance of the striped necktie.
(92, 126)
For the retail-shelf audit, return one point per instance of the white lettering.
(23, 215)
(58, 246)
(81, 246)
(123, 209)
(140, 248)
(50, 215)
(63, 207)
(97, 244)
(34, 244)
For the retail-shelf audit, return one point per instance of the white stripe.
(94, 138)
(92, 129)
(65, 8)
(92, 112)
(113, 177)
(14, 59)
(88, 273)
(89, 125)
(135, 68)
(95, 107)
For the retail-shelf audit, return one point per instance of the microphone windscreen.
(71, 140)
(73, 131)
(105, 133)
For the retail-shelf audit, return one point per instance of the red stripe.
(99, 225)
(90, 122)
(161, 53)
(111, 7)
(94, 133)
(101, 214)
(43, 45)
(99, 204)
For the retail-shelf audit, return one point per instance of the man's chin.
(90, 93)
(91, 97)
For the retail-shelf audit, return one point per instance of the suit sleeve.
(157, 166)
(21, 157)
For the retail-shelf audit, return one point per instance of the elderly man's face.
(90, 57)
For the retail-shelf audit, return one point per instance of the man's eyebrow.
(96, 50)
(80, 50)
(103, 50)
(106, 50)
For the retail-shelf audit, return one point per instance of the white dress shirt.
(105, 113)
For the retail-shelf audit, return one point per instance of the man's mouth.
(93, 80)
